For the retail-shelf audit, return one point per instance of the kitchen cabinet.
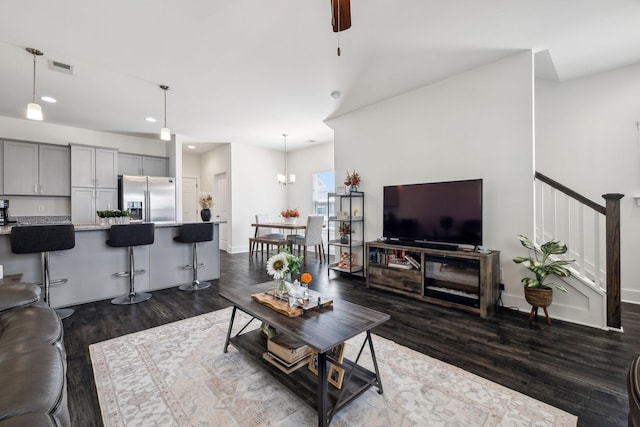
(2, 163)
(85, 201)
(94, 182)
(135, 164)
(94, 167)
(33, 169)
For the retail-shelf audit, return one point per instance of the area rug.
(178, 375)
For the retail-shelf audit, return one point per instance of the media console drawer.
(406, 280)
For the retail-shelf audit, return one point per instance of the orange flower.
(306, 278)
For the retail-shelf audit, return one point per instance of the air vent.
(60, 67)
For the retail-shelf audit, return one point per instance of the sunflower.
(278, 265)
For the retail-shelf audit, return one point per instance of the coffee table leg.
(375, 363)
(233, 315)
(323, 400)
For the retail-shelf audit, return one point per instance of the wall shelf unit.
(466, 280)
(346, 210)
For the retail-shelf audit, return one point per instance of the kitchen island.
(90, 266)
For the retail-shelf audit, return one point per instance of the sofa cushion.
(37, 323)
(16, 295)
(633, 391)
(37, 382)
(29, 420)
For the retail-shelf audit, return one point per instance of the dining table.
(281, 226)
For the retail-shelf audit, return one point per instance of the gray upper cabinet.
(2, 163)
(106, 168)
(155, 166)
(129, 164)
(35, 169)
(136, 164)
(54, 170)
(94, 167)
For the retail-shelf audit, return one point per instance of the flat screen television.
(446, 212)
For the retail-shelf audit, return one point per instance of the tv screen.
(448, 212)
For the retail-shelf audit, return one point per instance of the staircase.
(592, 233)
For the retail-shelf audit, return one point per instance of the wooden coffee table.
(321, 330)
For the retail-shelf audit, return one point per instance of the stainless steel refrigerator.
(148, 198)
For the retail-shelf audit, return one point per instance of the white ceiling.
(248, 71)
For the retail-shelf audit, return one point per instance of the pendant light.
(285, 178)
(165, 133)
(34, 110)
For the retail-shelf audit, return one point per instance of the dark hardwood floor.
(578, 369)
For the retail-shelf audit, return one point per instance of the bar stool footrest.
(131, 298)
(196, 285)
(58, 282)
(63, 313)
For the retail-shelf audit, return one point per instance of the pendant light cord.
(34, 78)
(339, 28)
(165, 107)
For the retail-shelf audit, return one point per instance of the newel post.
(614, 312)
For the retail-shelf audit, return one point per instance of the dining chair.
(311, 237)
(265, 236)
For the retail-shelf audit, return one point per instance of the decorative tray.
(316, 301)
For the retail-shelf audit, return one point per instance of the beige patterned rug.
(177, 375)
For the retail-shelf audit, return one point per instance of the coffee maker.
(4, 212)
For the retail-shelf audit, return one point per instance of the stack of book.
(399, 263)
(286, 353)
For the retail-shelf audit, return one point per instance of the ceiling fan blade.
(340, 15)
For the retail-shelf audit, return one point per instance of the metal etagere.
(346, 210)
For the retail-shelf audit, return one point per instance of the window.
(323, 183)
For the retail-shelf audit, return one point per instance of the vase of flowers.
(279, 266)
(206, 203)
(290, 215)
(305, 280)
(345, 231)
(352, 180)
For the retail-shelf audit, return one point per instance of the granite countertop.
(6, 229)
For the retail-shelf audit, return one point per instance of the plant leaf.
(525, 242)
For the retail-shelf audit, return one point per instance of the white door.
(189, 199)
(221, 207)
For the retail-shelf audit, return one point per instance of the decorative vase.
(354, 188)
(205, 214)
(281, 287)
(538, 297)
(291, 220)
(344, 238)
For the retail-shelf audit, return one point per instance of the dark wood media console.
(453, 278)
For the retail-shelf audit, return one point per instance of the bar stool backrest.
(196, 232)
(29, 239)
(131, 235)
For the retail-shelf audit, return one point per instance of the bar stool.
(194, 233)
(44, 239)
(129, 236)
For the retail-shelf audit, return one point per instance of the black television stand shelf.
(453, 278)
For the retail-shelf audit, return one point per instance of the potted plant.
(206, 203)
(290, 215)
(352, 180)
(538, 291)
(345, 230)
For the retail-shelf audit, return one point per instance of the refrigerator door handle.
(147, 209)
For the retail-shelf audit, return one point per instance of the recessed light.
(150, 119)
(48, 99)
(335, 94)
(312, 141)
(191, 147)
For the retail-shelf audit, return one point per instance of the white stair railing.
(592, 233)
